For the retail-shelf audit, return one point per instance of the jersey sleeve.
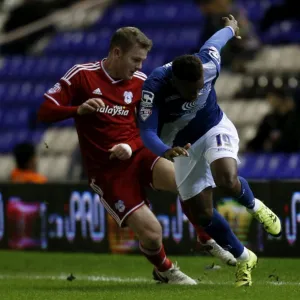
(58, 104)
(211, 50)
(148, 113)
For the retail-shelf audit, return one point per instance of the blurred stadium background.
(258, 89)
(41, 40)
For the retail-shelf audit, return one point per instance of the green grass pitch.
(43, 276)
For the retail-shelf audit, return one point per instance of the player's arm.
(58, 101)
(210, 51)
(148, 123)
(57, 104)
(221, 37)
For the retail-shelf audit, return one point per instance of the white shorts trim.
(154, 163)
(131, 211)
(98, 190)
(114, 215)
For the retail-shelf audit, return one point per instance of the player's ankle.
(165, 266)
(255, 208)
(244, 256)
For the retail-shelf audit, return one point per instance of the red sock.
(157, 258)
(203, 237)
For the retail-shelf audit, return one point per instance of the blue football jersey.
(164, 113)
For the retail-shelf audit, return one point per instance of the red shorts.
(121, 185)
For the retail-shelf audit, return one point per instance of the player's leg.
(222, 157)
(145, 224)
(195, 183)
(149, 231)
(125, 202)
(217, 227)
(164, 180)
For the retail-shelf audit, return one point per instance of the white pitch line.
(128, 279)
(79, 277)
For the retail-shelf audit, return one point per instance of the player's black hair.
(187, 67)
(127, 37)
(23, 153)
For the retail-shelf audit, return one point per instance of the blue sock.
(221, 232)
(246, 198)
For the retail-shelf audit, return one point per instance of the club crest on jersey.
(147, 99)
(128, 97)
(116, 110)
(119, 205)
(55, 89)
(145, 113)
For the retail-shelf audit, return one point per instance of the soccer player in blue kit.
(179, 103)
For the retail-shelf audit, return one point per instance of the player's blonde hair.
(127, 37)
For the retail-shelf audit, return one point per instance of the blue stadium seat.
(154, 14)
(254, 166)
(284, 32)
(12, 92)
(153, 60)
(270, 166)
(2, 93)
(15, 118)
(36, 136)
(185, 38)
(78, 43)
(7, 141)
(9, 138)
(290, 169)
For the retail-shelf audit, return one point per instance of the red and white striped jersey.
(109, 126)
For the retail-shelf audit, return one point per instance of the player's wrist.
(165, 153)
(231, 28)
(78, 111)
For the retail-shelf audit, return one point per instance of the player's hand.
(90, 106)
(232, 22)
(177, 151)
(120, 151)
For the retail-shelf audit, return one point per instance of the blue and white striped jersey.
(162, 111)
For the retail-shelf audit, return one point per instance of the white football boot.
(173, 276)
(216, 250)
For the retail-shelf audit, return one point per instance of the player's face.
(188, 90)
(132, 61)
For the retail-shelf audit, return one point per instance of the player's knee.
(227, 180)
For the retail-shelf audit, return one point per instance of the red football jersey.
(109, 126)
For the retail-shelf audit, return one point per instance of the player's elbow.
(44, 113)
(41, 114)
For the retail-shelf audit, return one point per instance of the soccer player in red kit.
(102, 98)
